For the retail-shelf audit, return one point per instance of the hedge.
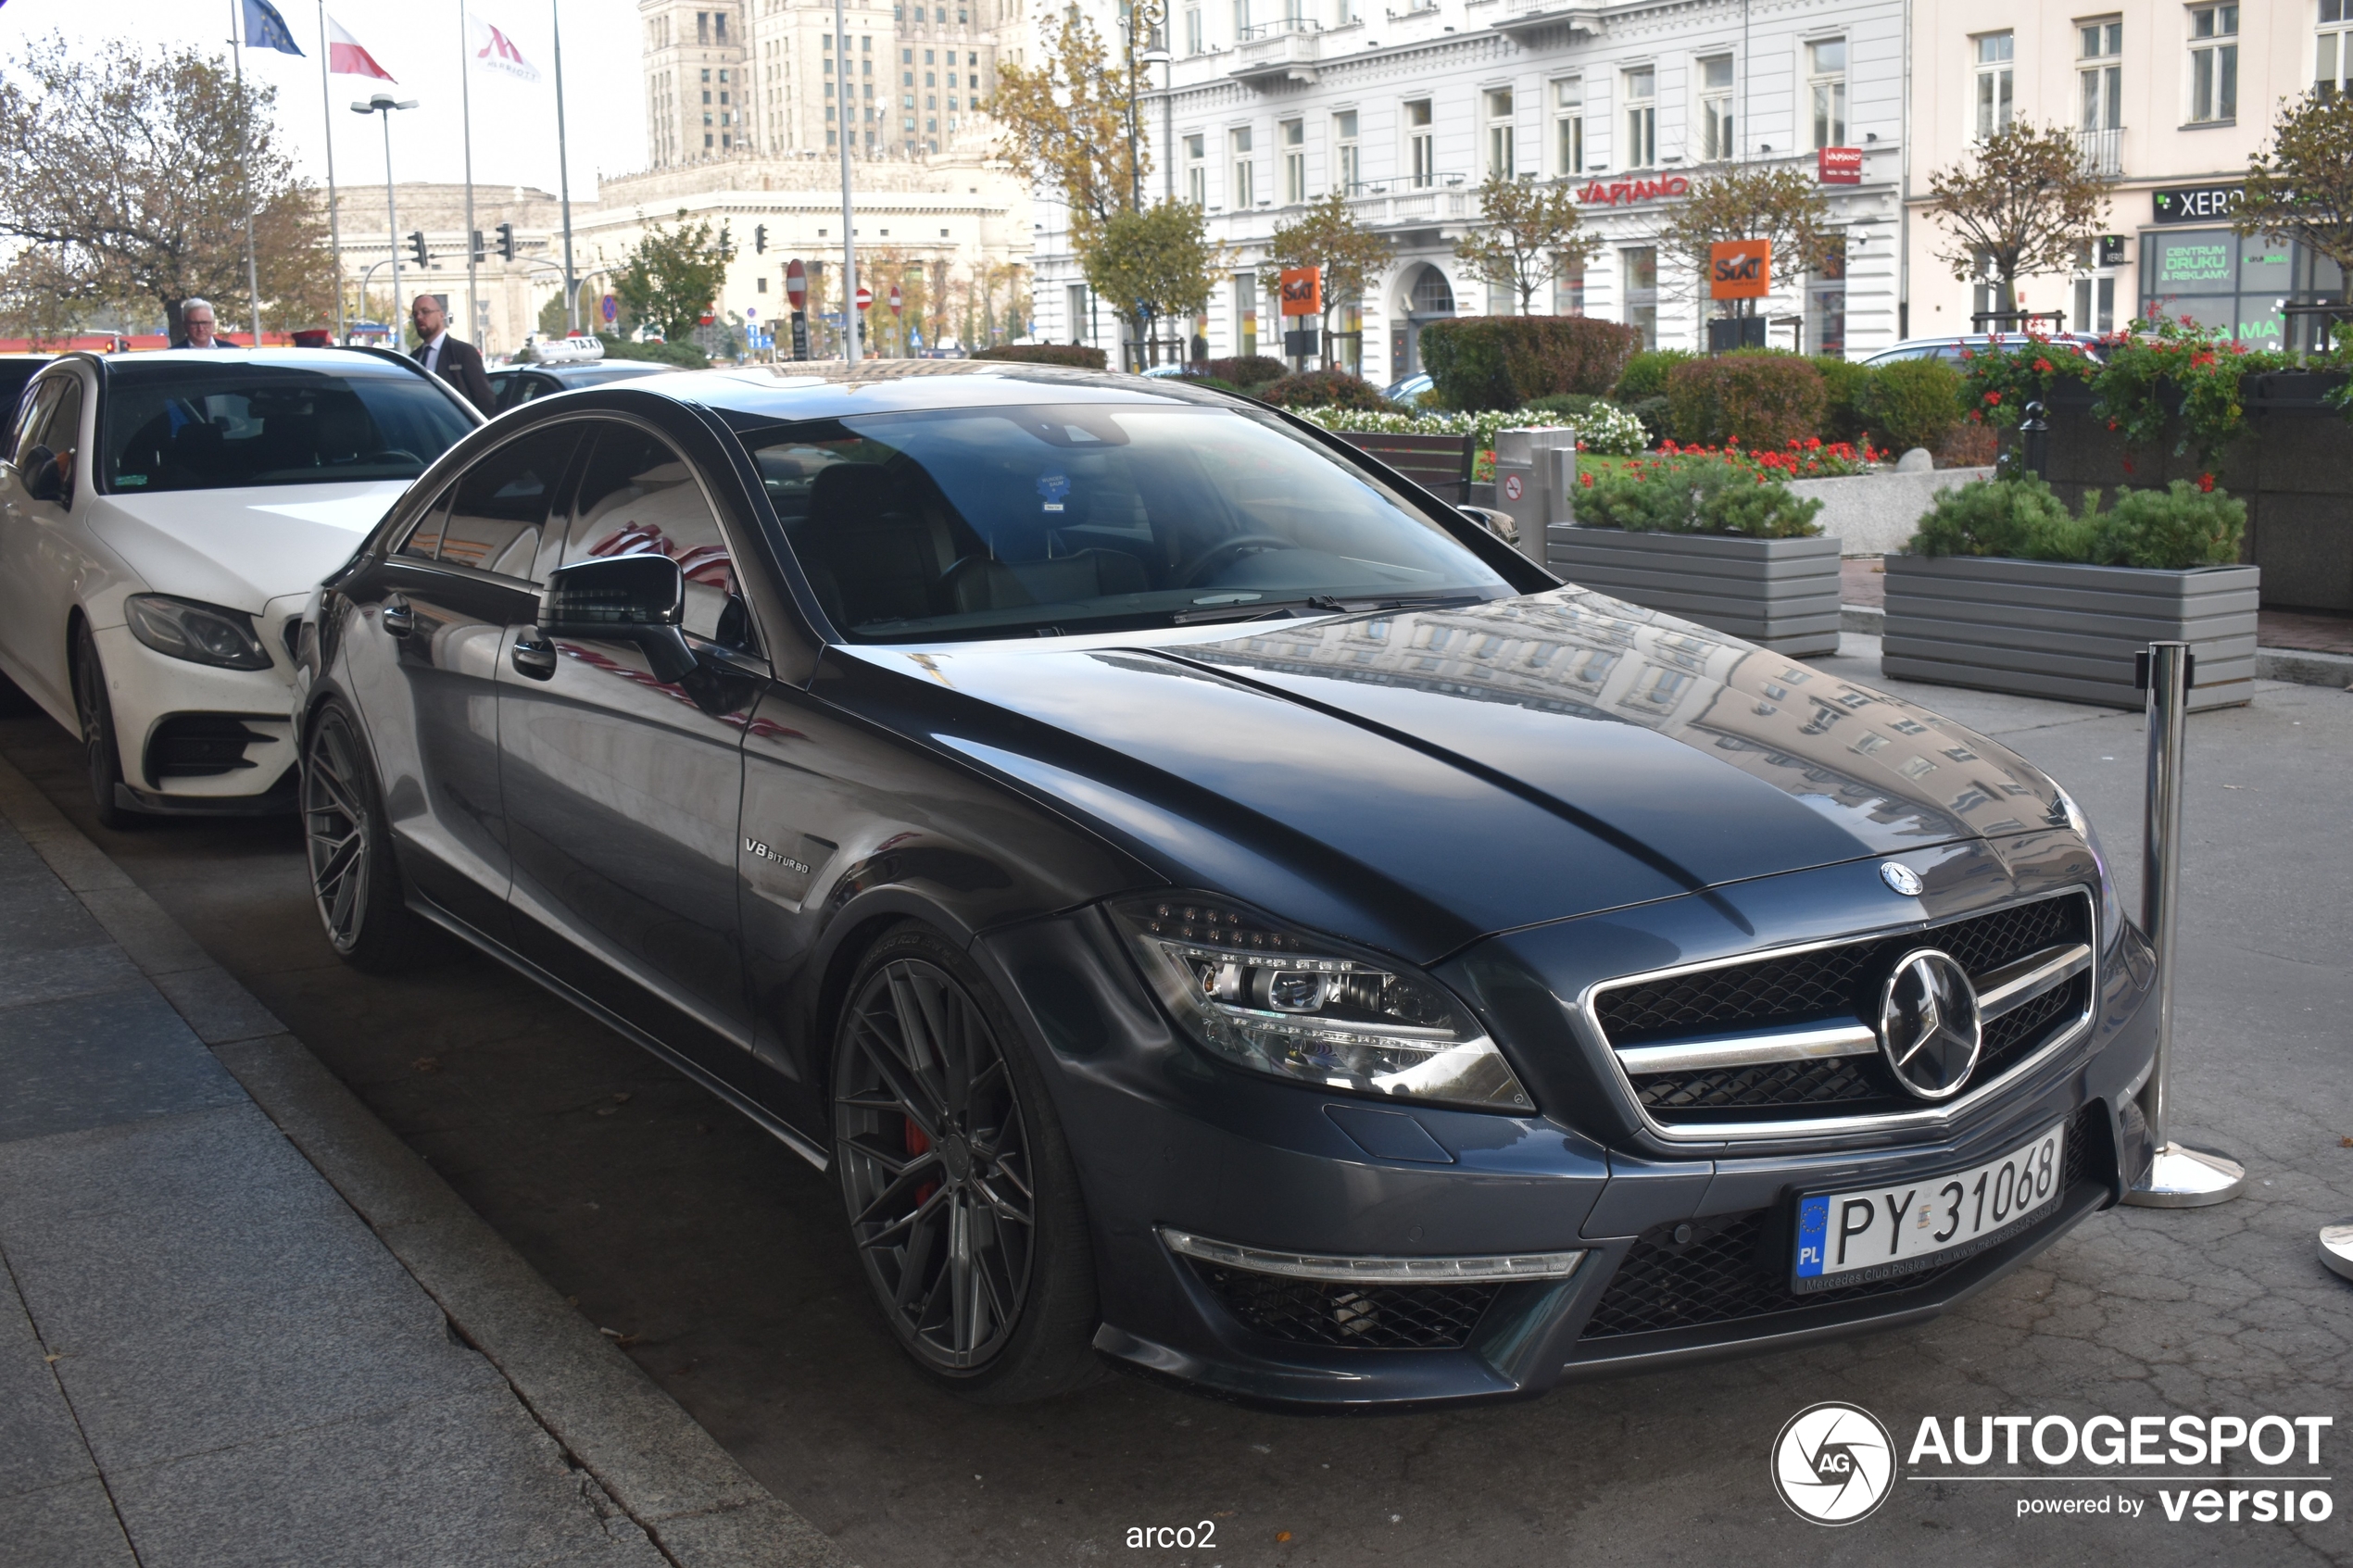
(1913, 403)
(1845, 389)
(1645, 374)
(2174, 529)
(1502, 361)
(1045, 354)
(1248, 369)
(1694, 494)
(1765, 399)
(1322, 389)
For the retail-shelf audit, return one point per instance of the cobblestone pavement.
(721, 1258)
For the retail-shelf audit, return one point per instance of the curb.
(699, 1507)
(2298, 666)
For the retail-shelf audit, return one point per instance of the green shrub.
(685, 355)
(1502, 361)
(1045, 354)
(1845, 385)
(1693, 494)
(1757, 399)
(1322, 389)
(1570, 404)
(1913, 403)
(2173, 529)
(1656, 413)
(1248, 369)
(1645, 374)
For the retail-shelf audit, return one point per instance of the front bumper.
(1684, 1250)
(197, 739)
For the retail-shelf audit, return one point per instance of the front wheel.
(354, 883)
(963, 1197)
(102, 757)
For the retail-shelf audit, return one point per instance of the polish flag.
(346, 57)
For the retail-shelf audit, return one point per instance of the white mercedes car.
(163, 518)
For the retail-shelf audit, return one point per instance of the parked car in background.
(163, 518)
(512, 386)
(1207, 902)
(1949, 348)
(1410, 388)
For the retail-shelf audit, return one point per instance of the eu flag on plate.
(264, 29)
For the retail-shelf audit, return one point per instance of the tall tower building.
(695, 52)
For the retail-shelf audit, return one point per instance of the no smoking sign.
(1514, 486)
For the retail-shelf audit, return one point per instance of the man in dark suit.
(453, 360)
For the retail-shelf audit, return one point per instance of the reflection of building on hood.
(1576, 652)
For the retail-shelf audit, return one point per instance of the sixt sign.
(2196, 204)
(1739, 270)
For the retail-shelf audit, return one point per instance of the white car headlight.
(200, 633)
(1297, 1005)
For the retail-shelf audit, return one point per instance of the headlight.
(200, 633)
(1289, 1002)
(2111, 906)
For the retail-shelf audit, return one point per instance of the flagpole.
(466, 101)
(253, 273)
(849, 323)
(563, 178)
(334, 223)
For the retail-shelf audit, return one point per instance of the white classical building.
(1269, 104)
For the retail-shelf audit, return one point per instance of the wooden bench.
(1439, 464)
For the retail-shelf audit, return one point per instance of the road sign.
(865, 297)
(799, 335)
(796, 284)
(750, 314)
(898, 305)
(611, 309)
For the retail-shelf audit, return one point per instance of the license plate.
(1876, 1233)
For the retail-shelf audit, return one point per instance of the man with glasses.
(197, 327)
(453, 360)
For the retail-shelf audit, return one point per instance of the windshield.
(206, 427)
(1022, 521)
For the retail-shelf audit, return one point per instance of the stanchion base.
(2182, 1177)
(2336, 1247)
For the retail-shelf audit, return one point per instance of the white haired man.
(197, 327)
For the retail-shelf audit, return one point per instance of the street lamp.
(383, 103)
(1144, 17)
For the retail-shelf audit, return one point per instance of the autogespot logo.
(1834, 1463)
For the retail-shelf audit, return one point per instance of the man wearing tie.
(453, 360)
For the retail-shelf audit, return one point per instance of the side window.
(425, 534)
(33, 416)
(637, 496)
(59, 428)
(493, 521)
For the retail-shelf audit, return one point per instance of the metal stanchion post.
(2035, 440)
(2179, 1175)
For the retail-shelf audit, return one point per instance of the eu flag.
(264, 29)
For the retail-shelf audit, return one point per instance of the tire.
(355, 882)
(102, 756)
(943, 1127)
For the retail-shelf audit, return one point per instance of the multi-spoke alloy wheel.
(961, 1195)
(96, 714)
(352, 878)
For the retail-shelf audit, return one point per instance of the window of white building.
(2099, 78)
(1347, 167)
(1716, 110)
(1499, 157)
(1641, 119)
(2214, 63)
(1568, 126)
(1245, 313)
(1421, 145)
(1243, 189)
(2333, 69)
(1196, 37)
(1826, 86)
(1294, 133)
(1197, 170)
(1638, 268)
(1568, 289)
(1996, 53)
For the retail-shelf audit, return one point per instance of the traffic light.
(759, 239)
(417, 247)
(507, 241)
(478, 252)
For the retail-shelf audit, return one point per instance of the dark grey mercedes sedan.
(1211, 906)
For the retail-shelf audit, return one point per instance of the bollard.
(2034, 441)
(2179, 1175)
(2336, 1247)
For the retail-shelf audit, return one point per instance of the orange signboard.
(1739, 270)
(1302, 291)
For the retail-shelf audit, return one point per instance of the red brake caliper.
(916, 1145)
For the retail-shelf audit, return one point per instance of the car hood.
(1419, 780)
(241, 548)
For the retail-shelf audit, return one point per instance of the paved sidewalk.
(207, 1356)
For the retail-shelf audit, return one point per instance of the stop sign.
(865, 297)
(797, 283)
(898, 306)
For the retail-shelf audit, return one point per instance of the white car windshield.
(182, 426)
(1020, 521)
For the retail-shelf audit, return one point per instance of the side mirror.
(43, 479)
(639, 599)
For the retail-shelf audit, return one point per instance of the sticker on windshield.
(1054, 486)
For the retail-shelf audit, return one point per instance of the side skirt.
(767, 1120)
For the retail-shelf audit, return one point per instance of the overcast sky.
(419, 42)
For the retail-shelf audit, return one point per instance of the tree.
(1156, 262)
(1063, 124)
(1529, 237)
(2302, 186)
(1748, 201)
(672, 276)
(2026, 204)
(1327, 236)
(134, 179)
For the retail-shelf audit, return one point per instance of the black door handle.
(534, 657)
(398, 619)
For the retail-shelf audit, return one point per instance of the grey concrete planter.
(1873, 513)
(2053, 629)
(1779, 594)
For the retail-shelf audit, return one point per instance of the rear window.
(217, 427)
(1022, 521)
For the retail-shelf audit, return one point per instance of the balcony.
(2102, 151)
(1522, 19)
(1278, 51)
(1404, 208)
